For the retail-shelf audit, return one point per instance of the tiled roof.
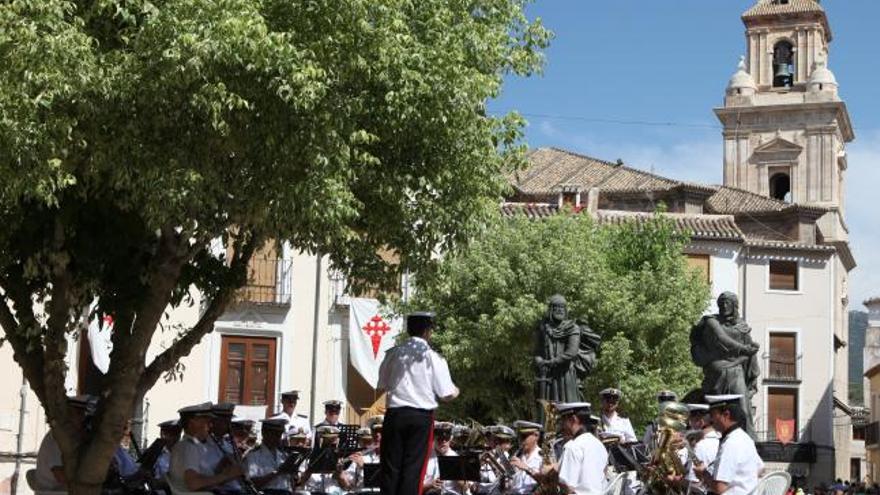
(552, 168)
(704, 227)
(730, 200)
(774, 7)
(733, 200)
(707, 227)
(792, 246)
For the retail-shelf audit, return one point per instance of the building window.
(782, 363)
(780, 187)
(702, 263)
(858, 431)
(783, 65)
(782, 412)
(783, 275)
(247, 371)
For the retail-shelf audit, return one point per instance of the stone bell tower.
(785, 126)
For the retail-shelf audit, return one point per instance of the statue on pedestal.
(722, 345)
(565, 353)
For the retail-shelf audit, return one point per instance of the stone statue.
(565, 353)
(722, 345)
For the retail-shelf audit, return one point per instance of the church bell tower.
(785, 126)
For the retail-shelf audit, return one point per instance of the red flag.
(785, 430)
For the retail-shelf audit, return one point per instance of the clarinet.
(247, 486)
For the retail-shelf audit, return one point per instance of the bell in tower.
(783, 65)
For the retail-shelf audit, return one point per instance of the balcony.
(782, 369)
(872, 434)
(269, 283)
(772, 450)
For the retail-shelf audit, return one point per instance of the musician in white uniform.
(432, 484)
(706, 448)
(261, 464)
(584, 458)
(528, 459)
(295, 422)
(356, 461)
(328, 438)
(612, 421)
(169, 431)
(737, 466)
(188, 468)
(50, 467)
(220, 448)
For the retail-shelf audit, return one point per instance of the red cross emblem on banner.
(376, 328)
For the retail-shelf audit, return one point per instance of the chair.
(31, 477)
(176, 489)
(775, 483)
(616, 485)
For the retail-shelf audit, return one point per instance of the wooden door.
(247, 371)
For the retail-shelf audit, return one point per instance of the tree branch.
(182, 347)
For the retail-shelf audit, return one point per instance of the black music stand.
(459, 467)
(348, 438)
(323, 460)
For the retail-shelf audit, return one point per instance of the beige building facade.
(872, 391)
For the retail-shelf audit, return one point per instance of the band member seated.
(221, 450)
(584, 458)
(706, 441)
(243, 436)
(737, 467)
(432, 484)
(50, 467)
(327, 438)
(354, 465)
(460, 436)
(527, 460)
(662, 397)
(188, 467)
(612, 421)
(169, 433)
(261, 464)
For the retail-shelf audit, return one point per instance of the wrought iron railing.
(782, 368)
(269, 282)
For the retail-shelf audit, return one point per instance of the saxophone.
(665, 462)
(548, 482)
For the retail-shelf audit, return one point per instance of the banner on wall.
(370, 334)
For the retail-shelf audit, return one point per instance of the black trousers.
(407, 434)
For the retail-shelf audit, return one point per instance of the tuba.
(665, 462)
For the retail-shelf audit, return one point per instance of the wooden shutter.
(783, 275)
(781, 404)
(783, 356)
(247, 371)
(701, 262)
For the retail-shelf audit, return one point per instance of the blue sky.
(669, 62)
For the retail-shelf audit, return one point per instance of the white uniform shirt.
(738, 463)
(295, 422)
(188, 454)
(214, 454)
(582, 467)
(326, 483)
(620, 426)
(356, 473)
(414, 375)
(48, 457)
(262, 461)
(522, 482)
(163, 464)
(432, 472)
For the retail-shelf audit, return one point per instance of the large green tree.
(629, 282)
(134, 133)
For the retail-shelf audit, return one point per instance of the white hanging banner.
(370, 334)
(100, 343)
